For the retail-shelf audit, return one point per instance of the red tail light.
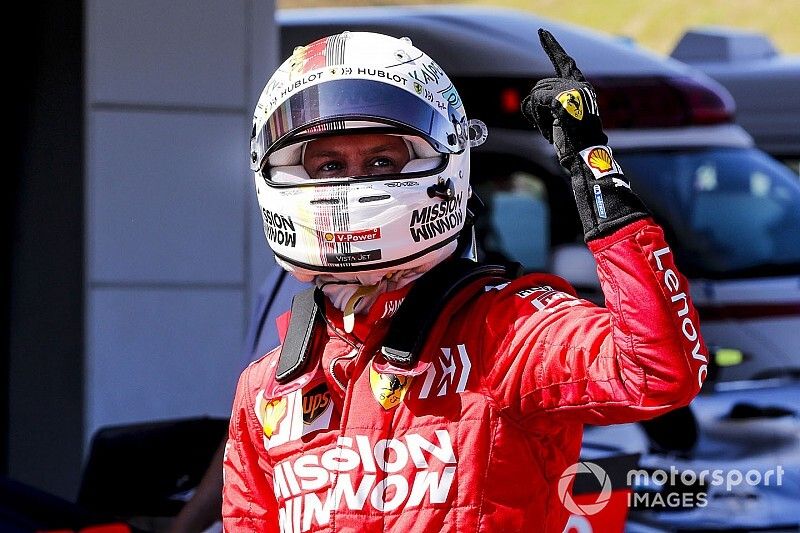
(708, 105)
(660, 102)
(625, 103)
(510, 100)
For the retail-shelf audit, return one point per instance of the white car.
(731, 212)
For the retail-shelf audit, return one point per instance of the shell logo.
(329, 237)
(600, 159)
(272, 413)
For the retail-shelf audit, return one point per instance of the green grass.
(656, 24)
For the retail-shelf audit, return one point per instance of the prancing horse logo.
(388, 389)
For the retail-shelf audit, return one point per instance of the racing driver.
(416, 389)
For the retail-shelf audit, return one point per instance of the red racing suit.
(476, 437)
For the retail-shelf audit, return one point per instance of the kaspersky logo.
(568, 476)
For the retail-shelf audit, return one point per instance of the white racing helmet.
(358, 82)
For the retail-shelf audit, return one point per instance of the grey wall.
(174, 249)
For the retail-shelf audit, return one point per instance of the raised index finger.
(565, 66)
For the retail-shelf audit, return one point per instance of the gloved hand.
(564, 109)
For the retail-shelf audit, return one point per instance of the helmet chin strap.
(353, 296)
(349, 311)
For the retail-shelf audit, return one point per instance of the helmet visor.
(324, 107)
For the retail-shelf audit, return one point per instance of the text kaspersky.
(688, 328)
(298, 483)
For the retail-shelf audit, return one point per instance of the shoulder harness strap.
(410, 325)
(425, 301)
(295, 351)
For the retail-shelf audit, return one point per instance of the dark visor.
(321, 106)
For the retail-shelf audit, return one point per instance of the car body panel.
(450, 31)
(764, 83)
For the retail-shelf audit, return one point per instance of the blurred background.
(133, 245)
(656, 25)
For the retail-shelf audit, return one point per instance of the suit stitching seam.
(486, 474)
(634, 341)
(631, 339)
(247, 477)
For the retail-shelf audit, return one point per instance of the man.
(416, 390)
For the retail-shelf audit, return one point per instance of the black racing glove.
(564, 109)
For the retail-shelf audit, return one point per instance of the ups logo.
(314, 402)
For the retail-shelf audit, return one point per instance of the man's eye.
(330, 166)
(383, 162)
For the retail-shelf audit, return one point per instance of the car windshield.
(728, 212)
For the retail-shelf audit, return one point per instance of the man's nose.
(359, 169)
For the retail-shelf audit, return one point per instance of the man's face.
(355, 155)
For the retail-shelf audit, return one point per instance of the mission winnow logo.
(279, 228)
(436, 219)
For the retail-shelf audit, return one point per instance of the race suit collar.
(385, 305)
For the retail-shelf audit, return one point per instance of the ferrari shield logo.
(572, 102)
(388, 389)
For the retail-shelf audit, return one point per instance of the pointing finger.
(565, 66)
